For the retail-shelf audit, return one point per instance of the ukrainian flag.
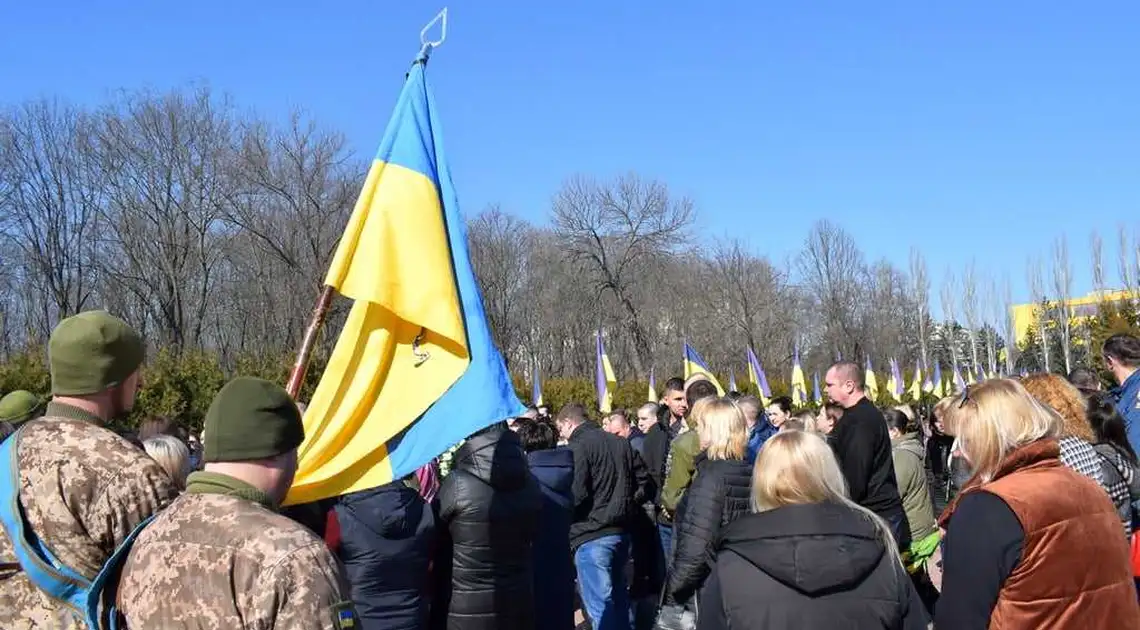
(799, 384)
(916, 383)
(871, 382)
(414, 370)
(817, 397)
(758, 378)
(899, 384)
(939, 388)
(652, 388)
(694, 364)
(605, 379)
(536, 387)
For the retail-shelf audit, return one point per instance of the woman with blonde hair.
(718, 495)
(808, 557)
(1029, 542)
(171, 454)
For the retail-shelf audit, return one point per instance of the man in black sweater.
(605, 490)
(863, 448)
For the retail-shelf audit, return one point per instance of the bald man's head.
(845, 383)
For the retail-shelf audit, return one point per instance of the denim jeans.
(601, 581)
(665, 532)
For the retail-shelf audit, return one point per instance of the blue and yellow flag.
(606, 381)
(758, 378)
(415, 369)
(799, 384)
(939, 387)
(536, 387)
(816, 396)
(871, 382)
(652, 388)
(916, 382)
(694, 364)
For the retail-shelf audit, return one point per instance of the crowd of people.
(701, 510)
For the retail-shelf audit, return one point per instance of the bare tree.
(970, 308)
(751, 288)
(499, 245)
(833, 272)
(1009, 327)
(921, 293)
(949, 295)
(1125, 259)
(1037, 291)
(164, 161)
(1096, 251)
(1063, 289)
(49, 210)
(614, 231)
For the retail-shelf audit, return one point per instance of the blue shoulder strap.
(63, 584)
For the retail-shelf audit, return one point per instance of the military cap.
(92, 352)
(250, 419)
(19, 406)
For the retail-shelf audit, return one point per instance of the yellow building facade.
(1082, 307)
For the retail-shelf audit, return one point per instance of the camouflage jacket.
(223, 562)
(83, 490)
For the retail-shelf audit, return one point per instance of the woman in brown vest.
(1029, 543)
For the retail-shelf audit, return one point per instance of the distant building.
(1083, 308)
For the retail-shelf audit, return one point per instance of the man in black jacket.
(655, 451)
(863, 448)
(604, 495)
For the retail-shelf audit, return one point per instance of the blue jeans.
(601, 581)
(665, 532)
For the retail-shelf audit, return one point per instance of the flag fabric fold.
(695, 364)
(916, 382)
(899, 384)
(414, 369)
(939, 387)
(605, 380)
(959, 382)
(652, 387)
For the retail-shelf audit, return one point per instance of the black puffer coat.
(819, 565)
(719, 494)
(490, 504)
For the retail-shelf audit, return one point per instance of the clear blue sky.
(974, 130)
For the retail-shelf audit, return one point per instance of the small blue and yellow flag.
(816, 396)
(652, 387)
(414, 370)
(693, 363)
(605, 380)
(536, 387)
(870, 382)
(758, 377)
(799, 383)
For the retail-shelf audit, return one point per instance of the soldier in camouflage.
(83, 489)
(221, 556)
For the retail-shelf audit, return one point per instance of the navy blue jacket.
(1128, 404)
(387, 536)
(554, 574)
(757, 436)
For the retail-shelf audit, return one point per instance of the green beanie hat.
(92, 352)
(249, 419)
(19, 406)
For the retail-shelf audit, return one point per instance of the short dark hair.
(849, 370)
(899, 421)
(536, 435)
(833, 411)
(1107, 424)
(1085, 380)
(734, 395)
(573, 412)
(675, 384)
(783, 402)
(700, 390)
(1123, 348)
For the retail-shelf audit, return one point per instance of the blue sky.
(972, 130)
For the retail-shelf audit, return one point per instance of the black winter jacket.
(490, 503)
(655, 450)
(815, 566)
(604, 484)
(719, 494)
(387, 537)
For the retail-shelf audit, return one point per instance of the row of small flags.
(923, 381)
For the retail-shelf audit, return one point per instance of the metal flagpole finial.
(426, 44)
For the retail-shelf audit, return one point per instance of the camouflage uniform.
(223, 562)
(83, 490)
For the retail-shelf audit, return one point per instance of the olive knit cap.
(251, 419)
(92, 352)
(19, 406)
